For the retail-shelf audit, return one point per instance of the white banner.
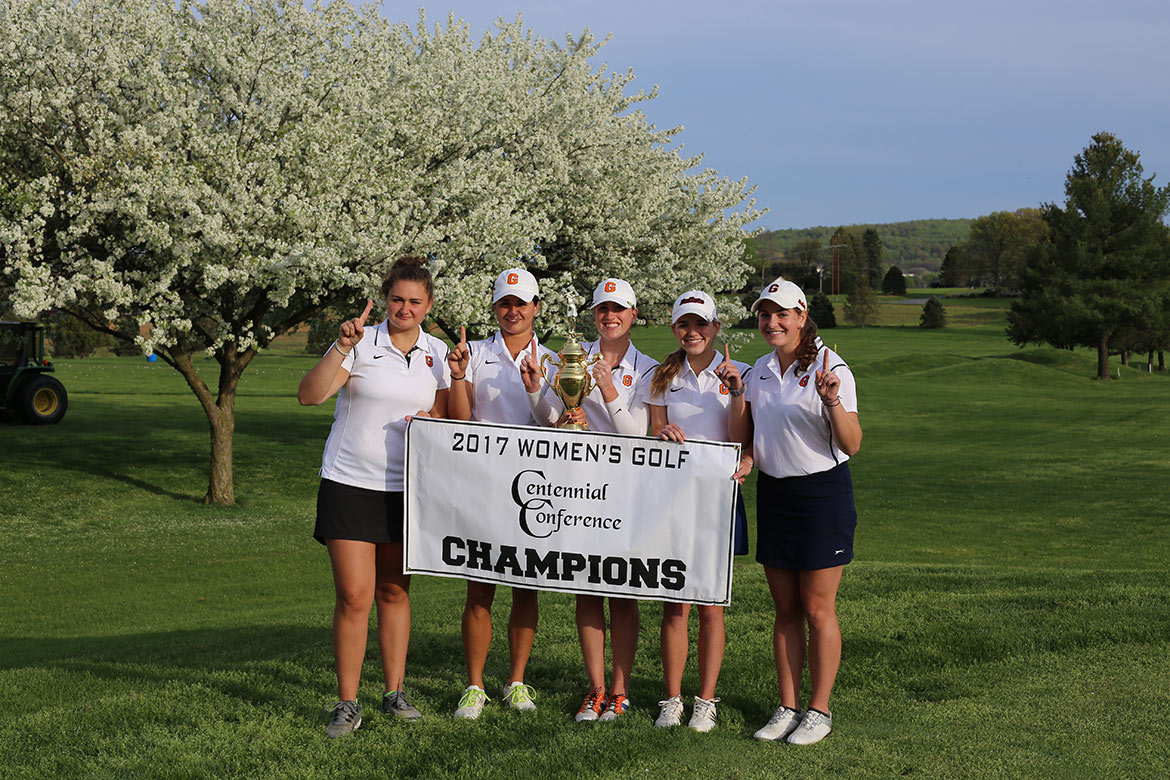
(570, 511)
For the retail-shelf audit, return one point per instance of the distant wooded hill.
(914, 247)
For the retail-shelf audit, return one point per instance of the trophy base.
(575, 427)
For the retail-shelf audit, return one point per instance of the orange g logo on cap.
(518, 282)
(617, 291)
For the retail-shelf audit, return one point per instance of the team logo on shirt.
(430, 362)
(627, 380)
(723, 390)
(804, 381)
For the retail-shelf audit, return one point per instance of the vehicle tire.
(42, 400)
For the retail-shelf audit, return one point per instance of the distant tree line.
(917, 247)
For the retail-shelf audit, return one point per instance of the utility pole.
(836, 260)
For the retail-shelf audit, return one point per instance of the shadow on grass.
(161, 450)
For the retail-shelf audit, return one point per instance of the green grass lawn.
(1005, 615)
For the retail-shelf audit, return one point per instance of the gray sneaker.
(814, 727)
(395, 703)
(520, 697)
(345, 718)
(703, 718)
(471, 703)
(782, 723)
(670, 714)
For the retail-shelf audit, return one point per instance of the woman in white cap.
(490, 381)
(799, 414)
(616, 404)
(381, 375)
(689, 399)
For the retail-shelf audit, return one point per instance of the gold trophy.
(572, 382)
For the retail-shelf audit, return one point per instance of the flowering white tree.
(223, 170)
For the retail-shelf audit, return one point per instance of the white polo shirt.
(792, 432)
(367, 444)
(631, 378)
(698, 403)
(500, 395)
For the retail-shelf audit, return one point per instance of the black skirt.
(360, 514)
(807, 522)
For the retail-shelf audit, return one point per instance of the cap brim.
(612, 299)
(521, 294)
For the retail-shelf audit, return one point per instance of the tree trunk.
(1103, 356)
(221, 415)
(1150, 362)
(1161, 360)
(1125, 357)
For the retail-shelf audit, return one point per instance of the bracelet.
(836, 402)
(457, 378)
(343, 354)
(737, 393)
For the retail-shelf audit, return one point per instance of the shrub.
(71, 338)
(821, 310)
(933, 314)
(861, 306)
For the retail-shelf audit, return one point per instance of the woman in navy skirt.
(799, 416)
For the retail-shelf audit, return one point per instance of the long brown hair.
(666, 372)
(409, 268)
(806, 353)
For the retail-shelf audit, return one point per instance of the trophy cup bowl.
(572, 382)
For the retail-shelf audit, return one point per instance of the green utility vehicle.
(25, 384)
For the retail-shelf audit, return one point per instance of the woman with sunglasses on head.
(689, 400)
(799, 414)
(616, 404)
(381, 376)
(491, 380)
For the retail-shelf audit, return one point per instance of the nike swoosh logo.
(675, 389)
(765, 376)
(378, 357)
(490, 362)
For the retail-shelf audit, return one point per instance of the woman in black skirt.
(382, 375)
(799, 415)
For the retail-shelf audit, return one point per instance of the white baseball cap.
(518, 282)
(617, 290)
(694, 302)
(784, 294)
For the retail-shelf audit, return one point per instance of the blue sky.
(858, 112)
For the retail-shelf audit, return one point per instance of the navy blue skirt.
(807, 522)
(740, 544)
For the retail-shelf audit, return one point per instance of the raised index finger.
(727, 353)
(534, 360)
(462, 334)
(826, 358)
(366, 312)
